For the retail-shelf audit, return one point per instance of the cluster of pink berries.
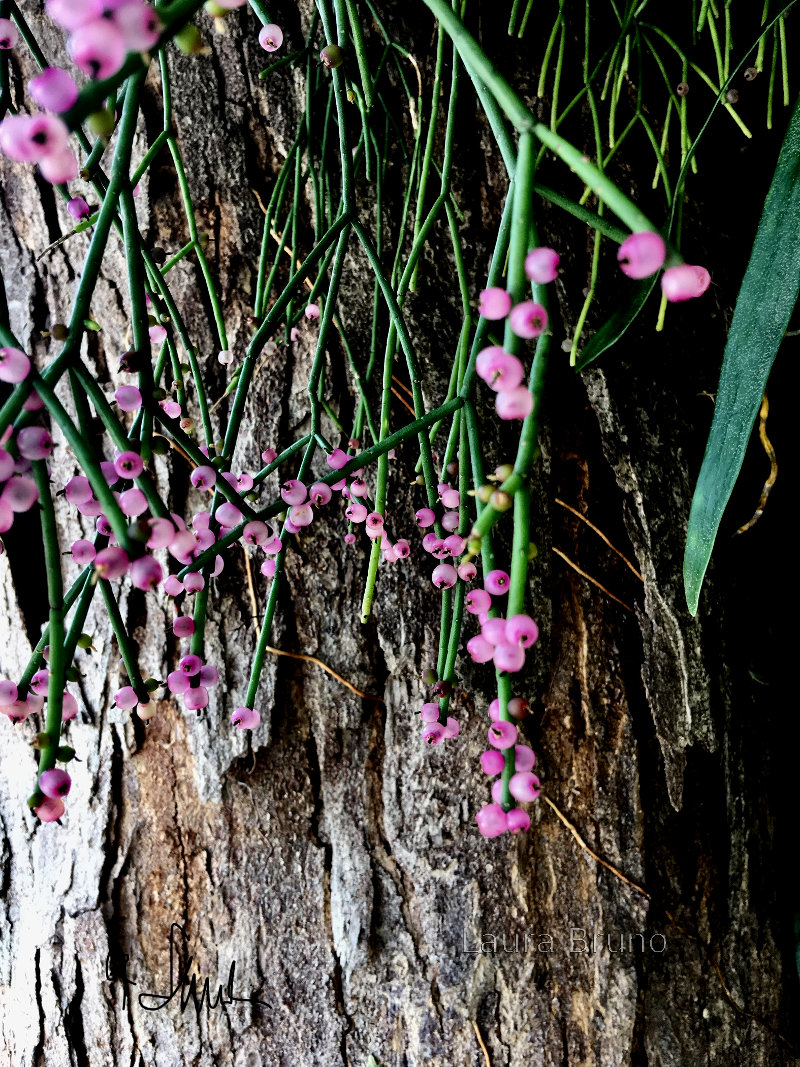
(19, 492)
(502, 371)
(354, 491)
(445, 575)
(100, 35)
(523, 785)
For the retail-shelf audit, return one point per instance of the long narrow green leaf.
(611, 330)
(763, 308)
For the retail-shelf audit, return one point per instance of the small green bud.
(189, 40)
(35, 799)
(41, 741)
(160, 446)
(185, 368)
(159, 394)
(429, 676)
(151, 684)
(474, 546)
(85, 641)
(500, 501)
(533, 551)
(65, 754)
(505, 470)
(59, 332)
(72, 674)
(102, 122)
(484, 493)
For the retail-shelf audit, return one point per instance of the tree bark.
(331, 856)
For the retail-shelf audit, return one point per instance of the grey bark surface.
(331, 856)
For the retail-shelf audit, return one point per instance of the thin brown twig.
(589, 578)
(773, 466)
(593, 854)
(402, 385)
(403, 400)
(330, 670)
(484, 1049)
(177, 448)
(744, 1011)
(600, 534)
(251, 587)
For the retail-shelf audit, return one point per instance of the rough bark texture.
(336, 860)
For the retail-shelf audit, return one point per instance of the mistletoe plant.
(163, 402)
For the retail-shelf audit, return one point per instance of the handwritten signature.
(181, 982)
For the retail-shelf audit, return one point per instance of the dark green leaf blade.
(765, 303)
(611, 330)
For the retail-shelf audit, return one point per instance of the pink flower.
(245, 718)
(515, 403)
(51, 809)
(98, 48)
(9, 34)
(55, 783)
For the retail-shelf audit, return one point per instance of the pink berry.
(502, 372)
(524, 758)
(642, 254)
(509, 658)
(492, 762)
(444, 576)
(9, 34)
(402, 548)
(494, 630)
(541, 265)
(70, 14)
(14, 365)
(467, 571)
(494, 303)
(269, 455)
(477, 601)
(8, 693)
(60, 167)
(139, 25)
(98, 48)
(312, 311)
(429, 712)
(479, 649)
(203, 477)
(146, 573)
(209, 676)
(518, 708)
(178, 682)
(502, 734)
(111, 562)
(492, 820)
(128, 465)
(40, 682)
(528, 319)
(128, 397)
(293, 492)
(518, 820)
(514, 404)
(126, 698)
(228, 515)
(684, 282)
(246, 718)
(496, 583)
(50, 810)
(78, 208)
(337, 459)
(268, 568)
(190, 665)
(173, 586)
(33, 403)
(524, 787)
(54, 89)
(34, 442)
(157, 335)
(433, 733)
(450, 521)
(270, 37)
(132, 502)
(319, 493)
(195, 698)
(161, 533)
(183, 626)
(451, 728)
(356, 512)
(522, 630)
(425, 517)
(194, 582)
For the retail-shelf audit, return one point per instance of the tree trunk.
(642, 920)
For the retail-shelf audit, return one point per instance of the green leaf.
(763, 308)
(611, 331)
